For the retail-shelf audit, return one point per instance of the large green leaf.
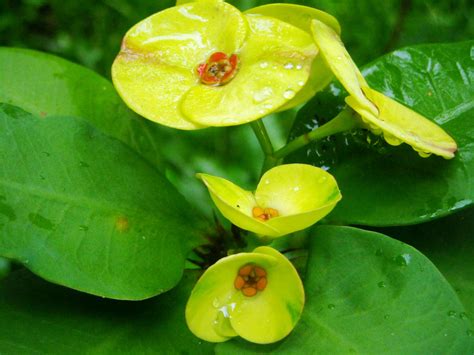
(449, 243)
(384, 185)
(370, 294)
(46, 85)
(40, 318)
(83, 210)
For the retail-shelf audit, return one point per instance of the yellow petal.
(271, 314)
(214, 297)
(302, 194)
(341, 63)
(275, 63)
(157, 62)
(301, 16)
(235, 204)
(400, 124)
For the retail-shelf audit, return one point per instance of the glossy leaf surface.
(83, 210)
(385, 185)
(449, 243)
(370, 294)
(38, 317)
(46, 85)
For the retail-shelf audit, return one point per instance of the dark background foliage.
(88, 32)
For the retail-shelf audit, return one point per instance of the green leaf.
(81, 209)
(449, 244)
(369, 294)
(383, 185)
(4, 267)
(46, 85)
(37, 317)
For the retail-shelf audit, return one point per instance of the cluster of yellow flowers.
(204, 63)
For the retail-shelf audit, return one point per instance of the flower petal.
(341, 63)
(302, 194)
(235, 204)
(296, 15)
(301, 16)
(159, 56)
(270, 315)
(275, 64)
(400, 124)
(214, 296)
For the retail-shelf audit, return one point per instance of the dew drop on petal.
(289, 66)
(263, 65)
(299, 67)
(288, 94)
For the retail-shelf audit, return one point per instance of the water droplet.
(445, 334)
(83, 228)
(46, 154)
(289, 66)
(267, 182)
(6, 210)
(301, 83)
(42, 177)
(470, 333)
(463, 315)
(381, 284)
(83, 164)
(387, 316)
(26, 261)
(143, 237)
(339, 57)
(263, 65)
(452, 313)
(299, 67)
(379, 252)
(263, 95)
(41, 222)
(322, 179)
(403, 259)
(392, 334)
(296, 188)
(288, 94)
(331, 306)
(216, 303)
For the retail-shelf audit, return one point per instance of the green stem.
(262, 136)
(266, 145)
(343, 122)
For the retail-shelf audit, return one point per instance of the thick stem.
(262, 136)
(343, 122)
(266, 145)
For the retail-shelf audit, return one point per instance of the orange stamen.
(251, 279)
(249, 291)
(264, 214)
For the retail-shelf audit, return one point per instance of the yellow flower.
(379, 113)
(204, 63)
(288, 198)
(257, 296)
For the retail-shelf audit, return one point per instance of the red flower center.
(218, 69)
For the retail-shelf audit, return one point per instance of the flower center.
(264, 214)
(219, 69)
(251, 279)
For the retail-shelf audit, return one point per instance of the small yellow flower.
(288, 198)
(204, 63)
(379, 113)
(257, 296)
